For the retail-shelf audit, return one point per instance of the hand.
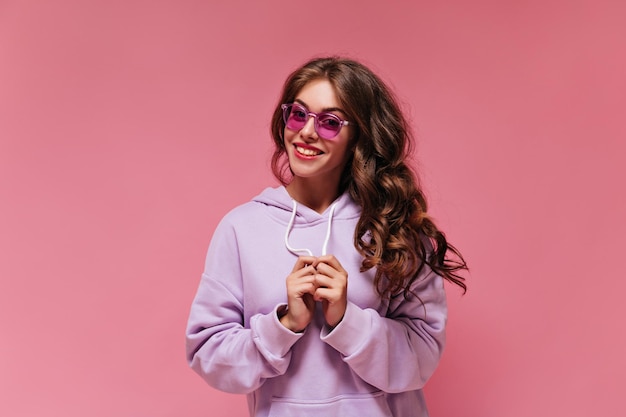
(300, 289)
(331, 282)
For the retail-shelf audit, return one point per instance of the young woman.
(325, 296)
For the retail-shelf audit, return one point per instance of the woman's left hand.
(332, 282)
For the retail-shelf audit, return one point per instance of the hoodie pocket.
(354, 405)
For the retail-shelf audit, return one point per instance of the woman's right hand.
(300, 289)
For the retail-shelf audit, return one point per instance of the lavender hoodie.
(373, 363)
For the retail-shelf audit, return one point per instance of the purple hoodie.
(373, 363)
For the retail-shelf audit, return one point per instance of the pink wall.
(121, 146)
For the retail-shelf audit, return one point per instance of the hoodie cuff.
(271, 336)
(351, 332)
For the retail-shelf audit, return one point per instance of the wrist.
(285, 320)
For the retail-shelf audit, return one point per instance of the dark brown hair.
(394, 233)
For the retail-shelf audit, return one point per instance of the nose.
(308, 130)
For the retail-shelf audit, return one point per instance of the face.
(311, 157)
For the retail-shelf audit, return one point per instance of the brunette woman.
(325, 296)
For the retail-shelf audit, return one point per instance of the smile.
(307, 151)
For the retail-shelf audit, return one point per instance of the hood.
(286, 210)
(280, 204)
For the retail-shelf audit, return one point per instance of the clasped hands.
(315, 279)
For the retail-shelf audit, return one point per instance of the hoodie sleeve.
(399, 351)
(225, 353)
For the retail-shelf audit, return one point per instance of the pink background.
(129, 128)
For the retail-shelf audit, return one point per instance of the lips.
(307, 150)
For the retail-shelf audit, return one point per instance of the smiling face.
(313, 160)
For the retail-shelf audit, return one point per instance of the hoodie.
(374, 363)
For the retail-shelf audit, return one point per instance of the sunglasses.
(327, 125)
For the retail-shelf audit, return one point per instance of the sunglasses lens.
(328, 126)
(295, 117)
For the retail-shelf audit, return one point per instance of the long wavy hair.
(394, 234)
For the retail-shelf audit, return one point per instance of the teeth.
(307, 152)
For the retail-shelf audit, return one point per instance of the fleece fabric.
(374, 363)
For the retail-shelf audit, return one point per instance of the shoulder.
(245, 213)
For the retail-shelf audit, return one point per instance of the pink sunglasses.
(327, 125)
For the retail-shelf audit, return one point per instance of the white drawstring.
(290, 226)
(330, 221)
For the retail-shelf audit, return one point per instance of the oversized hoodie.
(374, 363)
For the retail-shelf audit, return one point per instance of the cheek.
(342, 152)
(346, 147)
(287, 136)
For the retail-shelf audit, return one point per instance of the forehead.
(318, 95)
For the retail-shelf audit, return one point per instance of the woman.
(325, 296)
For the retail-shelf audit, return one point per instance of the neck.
(316, 196)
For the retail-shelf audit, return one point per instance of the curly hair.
(394, 233)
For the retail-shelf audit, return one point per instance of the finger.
(330, 261)
(304, 272)
(303, 285)
(327, 294)
(302, 262)
(324, 281)
(326, 269)
(330, 272)
(308, 288)
(338, 286)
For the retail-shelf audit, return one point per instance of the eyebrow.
(324, 110)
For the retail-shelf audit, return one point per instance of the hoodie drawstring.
(290, 226)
